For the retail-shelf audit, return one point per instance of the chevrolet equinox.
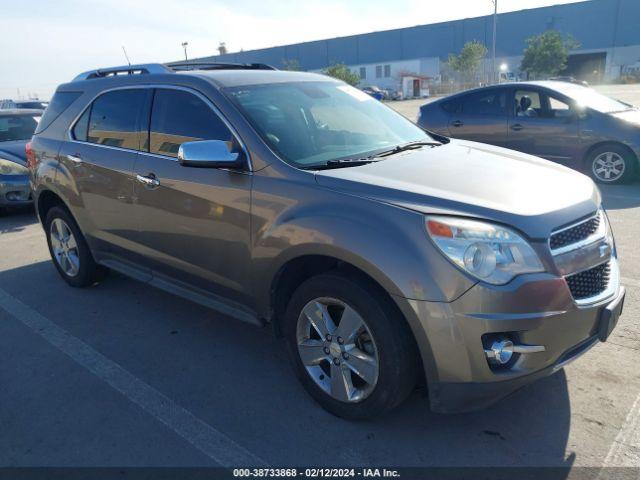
(386, 256)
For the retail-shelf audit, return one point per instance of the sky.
(47, 42)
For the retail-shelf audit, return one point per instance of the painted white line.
(625, 449)
(213, 443)
(631, 282)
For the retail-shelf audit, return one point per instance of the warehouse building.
(408, 59)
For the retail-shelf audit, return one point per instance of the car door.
(544, 124)
(481, 116)
(99, 163)
(193, 223)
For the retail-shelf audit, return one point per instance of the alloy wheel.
(65, 247)
(337, 349)
(608, 167)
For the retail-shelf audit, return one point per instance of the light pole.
(184, 45)
(495, 28)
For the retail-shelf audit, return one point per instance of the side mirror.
(208, 153)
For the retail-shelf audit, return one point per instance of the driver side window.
(528, 104)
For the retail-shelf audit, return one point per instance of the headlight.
(7, 167)
(491, 253)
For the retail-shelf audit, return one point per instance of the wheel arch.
(299, 269)
(45, 201)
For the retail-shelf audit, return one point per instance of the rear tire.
(611, 164)
(69, 250)
(380, 347)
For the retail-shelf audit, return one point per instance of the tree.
(546, 54)
(342, 72)
(468, 61)
(292, 65)
(222, 48)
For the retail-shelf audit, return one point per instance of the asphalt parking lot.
(122, 374)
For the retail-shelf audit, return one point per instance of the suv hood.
(477, 180)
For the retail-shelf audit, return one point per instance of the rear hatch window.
(59, 103)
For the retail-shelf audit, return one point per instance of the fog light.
(500, 352)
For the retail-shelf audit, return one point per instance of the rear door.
(481, 116)
(99, 163)
(194, 224)
(544, 124)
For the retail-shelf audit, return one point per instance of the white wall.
(421, 66)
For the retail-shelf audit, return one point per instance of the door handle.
(75, 159)
(517, 127)
(149, 181)
(457, 123)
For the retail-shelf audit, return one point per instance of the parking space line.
(213, 443)
(625, 449)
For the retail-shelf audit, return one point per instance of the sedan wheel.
(337, 349)
(608, 167)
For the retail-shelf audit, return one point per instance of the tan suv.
(385, 255)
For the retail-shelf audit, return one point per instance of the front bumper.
(459, 375)
(15, 190)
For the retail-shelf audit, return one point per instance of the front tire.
(352, 351)
(611, 164)
(69, 250)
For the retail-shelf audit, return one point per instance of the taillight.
(31, 156)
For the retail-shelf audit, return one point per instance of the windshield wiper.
(407, 146)
(343, 163)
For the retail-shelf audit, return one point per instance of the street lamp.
(495, 26)
(184, 45)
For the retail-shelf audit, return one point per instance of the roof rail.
(182, 66)
(124, 70)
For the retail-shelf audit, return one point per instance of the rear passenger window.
(115, 119)
(490, 103)
(450, 106)
(82, 126)
(178, 117)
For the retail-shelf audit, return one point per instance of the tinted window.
(450, 107)
(178, 117)
(488, 103)
(115, 118)
(36, 105)
(17, 127)
(59, 103)
(82, 126)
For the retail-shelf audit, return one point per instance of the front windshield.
(587, 97)
(310, 123)
(17, 127)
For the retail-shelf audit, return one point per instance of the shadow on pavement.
(236, 378)
(618, 197)
(15, 220)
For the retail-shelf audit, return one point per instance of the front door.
(481, 117)
(193, 223)
(545, 125)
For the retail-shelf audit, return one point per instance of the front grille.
(575, 234)
(590, 282)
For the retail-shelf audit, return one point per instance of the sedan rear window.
(17, 127)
